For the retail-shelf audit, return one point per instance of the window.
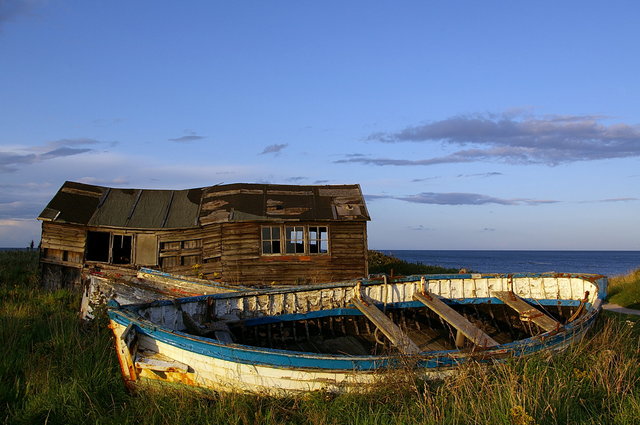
(106, 247)
(318, 240)
(297, 240)
(271, 240)
(98, 246)
(294, 240)
(121, 250)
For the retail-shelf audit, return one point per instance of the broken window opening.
(121, 251)
(98, 246)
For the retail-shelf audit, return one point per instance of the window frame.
(294, 239)
(110, 247)
(318, 239)
(271, 240)
(284, 239)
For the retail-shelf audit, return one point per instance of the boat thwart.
(344, 336)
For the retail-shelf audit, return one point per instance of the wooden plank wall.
(63, 237)
(231, 252)
(349, 250)
(193, 252)
(243, 264)
(63, 243)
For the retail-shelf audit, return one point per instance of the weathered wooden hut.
(253, 234)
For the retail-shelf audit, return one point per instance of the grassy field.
(55, 370)
(625, 290)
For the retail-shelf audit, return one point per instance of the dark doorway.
(98, 246)
(121, 252)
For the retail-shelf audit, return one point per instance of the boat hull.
(148, 285)
(229, 366)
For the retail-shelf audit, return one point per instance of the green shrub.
(387, 264)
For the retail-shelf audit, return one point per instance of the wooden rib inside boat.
(333, 336)
(356, 334)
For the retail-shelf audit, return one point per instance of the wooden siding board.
(63, 237)
(232, 251)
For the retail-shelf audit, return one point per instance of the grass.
(625, 290)
(55, 370)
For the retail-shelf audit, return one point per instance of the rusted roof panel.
(155, 209)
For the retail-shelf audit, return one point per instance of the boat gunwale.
(130, 314)
(591, 278)
(438, 359)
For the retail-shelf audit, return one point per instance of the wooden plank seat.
(455, 319)
(527, 311)
(387, 327)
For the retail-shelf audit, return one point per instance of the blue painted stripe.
(399, 305)
(403, 304)
(328, 362)
(598, 280)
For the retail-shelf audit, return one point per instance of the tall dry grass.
(625, 290)
(55, 370)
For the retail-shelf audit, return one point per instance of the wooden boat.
(345, 336)
(148, 285)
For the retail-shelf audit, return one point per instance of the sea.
(608, 263)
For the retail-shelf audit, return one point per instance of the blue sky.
(469, 125)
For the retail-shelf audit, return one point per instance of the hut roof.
(84, 204)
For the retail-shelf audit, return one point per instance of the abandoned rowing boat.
(148, 285)
(343, 336)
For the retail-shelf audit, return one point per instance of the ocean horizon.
(608, 263)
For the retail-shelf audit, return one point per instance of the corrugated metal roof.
(170, 209)
(184, 209)
(114, 208)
